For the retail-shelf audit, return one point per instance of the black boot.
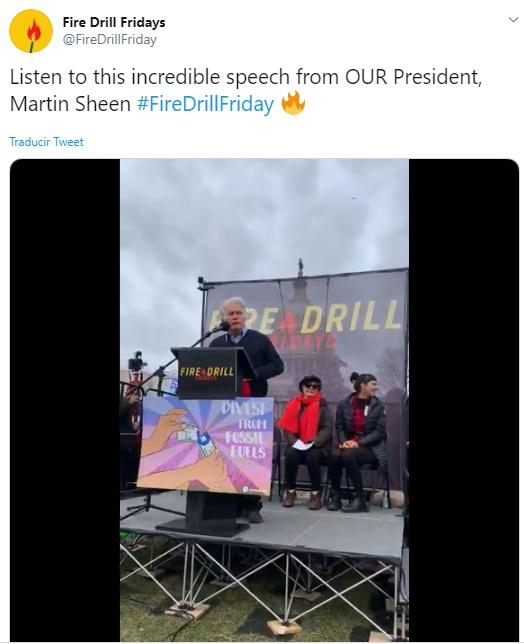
(334, 501)
(254, 517)
(357, 505)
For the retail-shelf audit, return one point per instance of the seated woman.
(306, 417)
(360, 424)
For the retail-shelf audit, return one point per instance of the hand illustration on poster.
(204, 445)
(210, 469)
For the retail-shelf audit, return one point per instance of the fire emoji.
(33, 33)
(293, 104)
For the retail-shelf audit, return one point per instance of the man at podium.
(267, 364)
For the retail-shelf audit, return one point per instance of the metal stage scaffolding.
(369, 545)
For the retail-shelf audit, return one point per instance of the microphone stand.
(145, 507)
(160, 372)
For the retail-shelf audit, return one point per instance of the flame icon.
(33, 33)
(293, 104)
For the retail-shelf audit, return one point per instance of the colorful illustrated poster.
(207, 445)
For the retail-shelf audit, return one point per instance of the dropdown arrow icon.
(513, 19)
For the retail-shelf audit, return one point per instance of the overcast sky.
(230, 219)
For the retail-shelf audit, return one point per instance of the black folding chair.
(276, 465)
(304, 484)
(381, 476)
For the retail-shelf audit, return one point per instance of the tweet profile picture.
(31, 31)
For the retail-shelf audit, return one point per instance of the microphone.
(223, 326)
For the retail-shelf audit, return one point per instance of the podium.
(211, 373)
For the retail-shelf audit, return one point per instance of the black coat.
(375, 430)
(324, 435)
(262, 354)
(129, 437)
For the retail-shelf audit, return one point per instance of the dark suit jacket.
(262, 354)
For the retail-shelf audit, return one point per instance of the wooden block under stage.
(278, 628)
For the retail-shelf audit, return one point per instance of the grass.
(235, 616)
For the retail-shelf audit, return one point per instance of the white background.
(339, 121)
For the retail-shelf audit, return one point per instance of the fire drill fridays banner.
(207, 445)
(330, 326)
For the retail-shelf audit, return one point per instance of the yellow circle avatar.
(31, 31)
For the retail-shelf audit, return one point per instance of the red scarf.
(305, 425)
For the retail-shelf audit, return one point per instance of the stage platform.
(289, 540)
(375, 535)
